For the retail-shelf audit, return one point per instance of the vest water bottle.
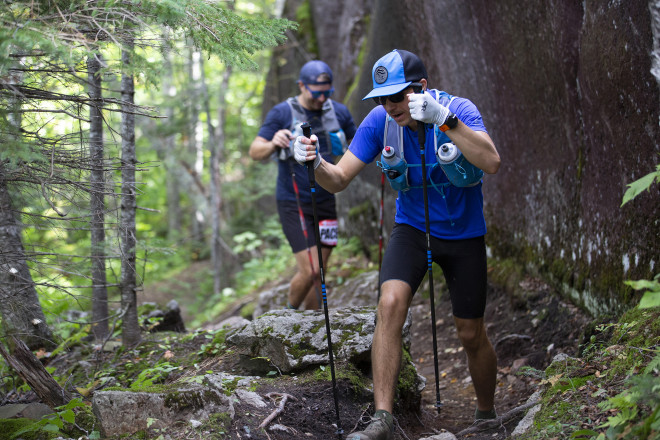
(395, 165)
(395, 168)
(456, 167)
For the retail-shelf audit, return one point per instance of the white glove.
(426, 109)
(300, 151)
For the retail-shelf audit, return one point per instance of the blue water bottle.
(395, 168)
(456, 167)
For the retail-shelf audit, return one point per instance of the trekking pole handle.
(307, 132)
(421, 127)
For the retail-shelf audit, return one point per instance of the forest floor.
(524, 334)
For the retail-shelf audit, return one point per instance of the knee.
(308, 273)
(472, 335)
(392, 309)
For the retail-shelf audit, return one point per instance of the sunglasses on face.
(397, 97)
(316, 94)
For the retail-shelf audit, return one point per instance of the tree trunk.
(26, 364)
(216, 141)
(196, 150)
(127, 233)
(97, 203)
(168, 156)
(19, 304)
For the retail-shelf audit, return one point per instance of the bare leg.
(482, 361)
(313, 295)
(395, 299)
(302, 288)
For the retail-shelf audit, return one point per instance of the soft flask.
(395, 168)
(456, 167)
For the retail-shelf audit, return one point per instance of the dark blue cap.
(312, 73)
(394, 72)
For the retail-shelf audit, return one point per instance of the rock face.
(568, 93)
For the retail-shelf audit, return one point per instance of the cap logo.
(380, 75)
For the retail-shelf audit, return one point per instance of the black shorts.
(463, 262)
(292, 227)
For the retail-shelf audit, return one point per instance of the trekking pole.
(380, 233)
(303, 225)
(421, 135)
(307, 132)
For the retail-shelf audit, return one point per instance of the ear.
(423, 83)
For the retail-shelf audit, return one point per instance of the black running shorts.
(292, 227)
(463, 263)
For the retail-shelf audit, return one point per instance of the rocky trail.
(527, 330)
(526, 335)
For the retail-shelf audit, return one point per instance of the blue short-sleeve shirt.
(454, 213)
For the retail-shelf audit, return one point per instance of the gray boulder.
(292, 340)
(125, 412)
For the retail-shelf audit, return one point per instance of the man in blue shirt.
(333, 125)
(457, 224)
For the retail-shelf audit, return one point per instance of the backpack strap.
(329, 121)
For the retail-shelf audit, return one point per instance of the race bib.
(328, 232)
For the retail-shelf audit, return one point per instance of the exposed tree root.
(279, 409)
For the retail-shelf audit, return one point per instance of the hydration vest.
(330, 128)
(394, 139)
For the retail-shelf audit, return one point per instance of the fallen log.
(26, 364)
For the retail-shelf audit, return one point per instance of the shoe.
(484, 415)
(380, 428)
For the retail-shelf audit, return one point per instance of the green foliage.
(651, 297)
(641, 185)
(216, 346)
(632, 419)
(619, 374)
(54, 424)
(153, 375)
(274, 258)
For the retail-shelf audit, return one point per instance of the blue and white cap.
(394, 72)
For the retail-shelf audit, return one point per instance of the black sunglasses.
(397, 97)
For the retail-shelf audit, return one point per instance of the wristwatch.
(450, 122)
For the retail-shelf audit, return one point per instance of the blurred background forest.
(125, 128)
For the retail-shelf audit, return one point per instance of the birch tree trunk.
(168, 156)
(130, 327)
(97, 202)
(22, 315)
(196, 150)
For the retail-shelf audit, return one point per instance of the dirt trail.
(523, 333)
(522, 336)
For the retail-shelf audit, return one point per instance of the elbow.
(492, 169)
(493, 166)
(253, 152)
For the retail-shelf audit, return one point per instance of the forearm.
(330, 177)
(261, 148)
(335, 178)
(477, 147)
